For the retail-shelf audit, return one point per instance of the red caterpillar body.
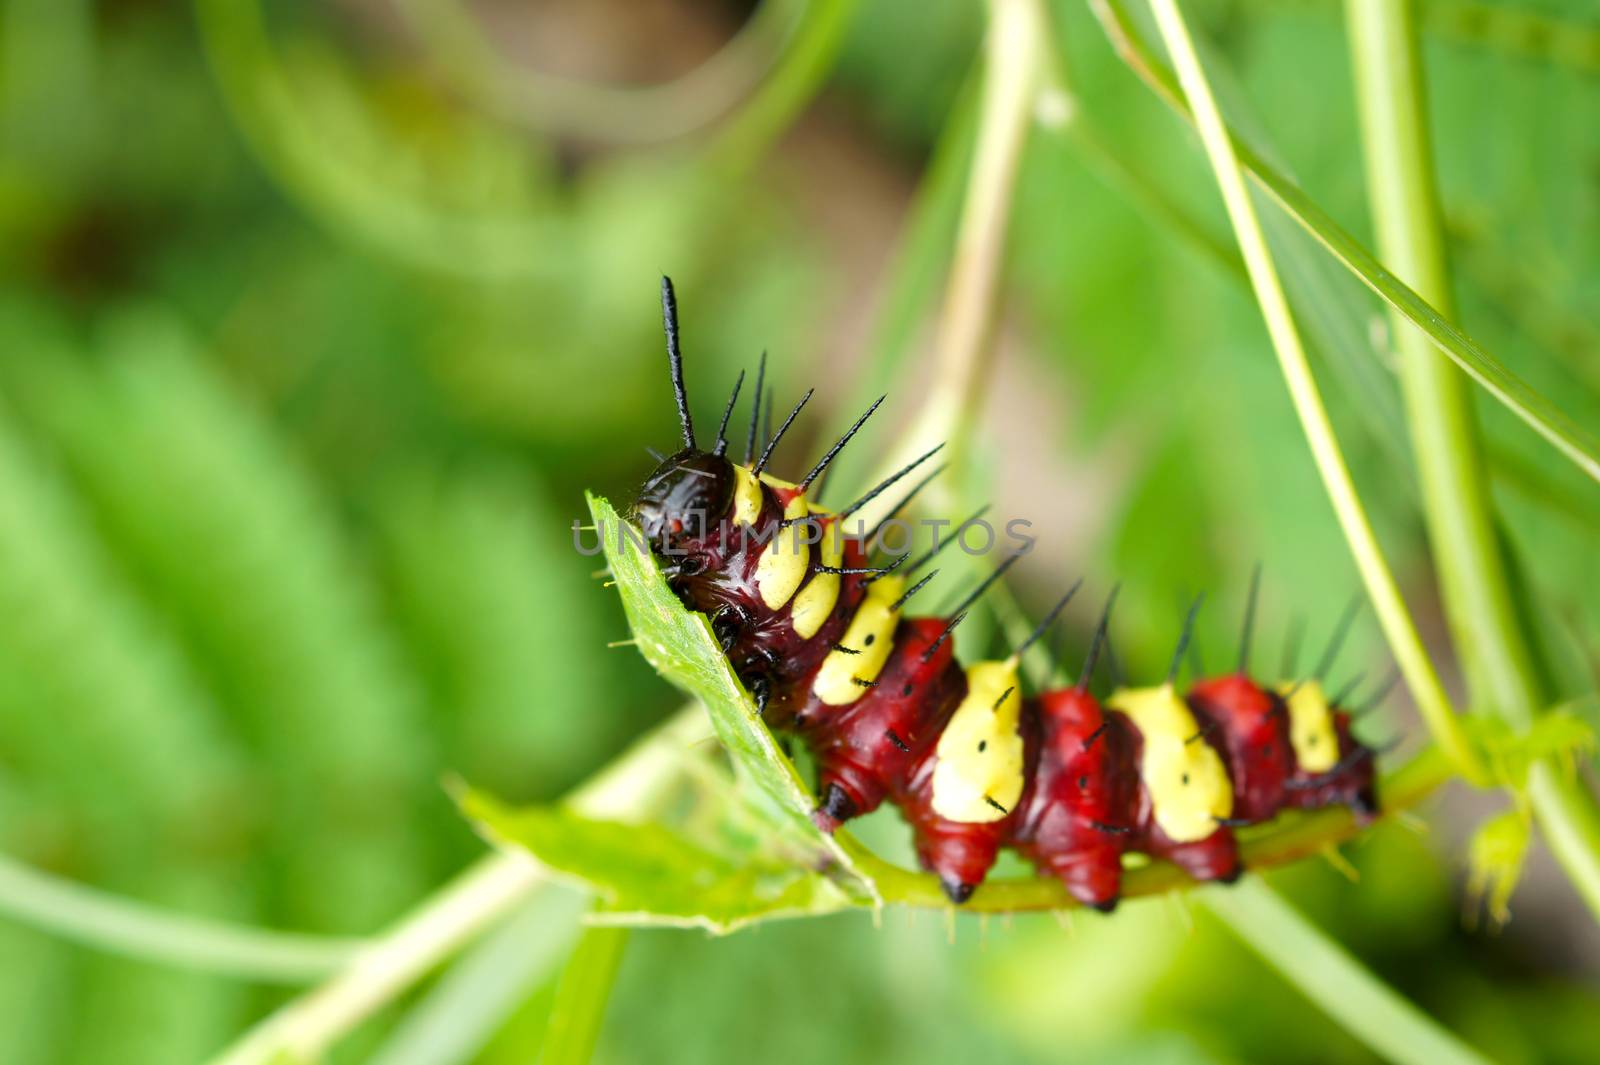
(818, 636)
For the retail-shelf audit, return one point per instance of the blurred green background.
(316, 321)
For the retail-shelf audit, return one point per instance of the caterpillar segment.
(824, 642)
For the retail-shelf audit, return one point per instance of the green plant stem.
(1271, 845)
(1575, 442)
(455, 916)
(448, 921)
(1478, 599)
(1395, 619)
(443, 924)
(1444, 431)
(914, 272)
(1569, 823)
(149, 933)
(927, 235)
(1011, 72)
(345, 189)
(1336, 982)
(1130, 179)
(1013, 57)
(1506, 30)
(597, 111)
(581, 996)
(1061, 113)
(775, 105)
(458, 1015)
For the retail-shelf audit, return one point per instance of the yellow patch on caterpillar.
(784, 560)
(1188, 784)
(777, 482)
(1311, 733)
(871, 635)
(978, 776)
(747, 496)
(816, 600)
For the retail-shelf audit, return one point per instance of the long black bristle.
(1184, 637)
(669, 322)
(822, 484)
(766, 416)
(1058, 637)
(1247, 629)
(1049, 619)
(784, 428)
(905, 501)
(1099, 640)
(886, 570)
(1336, 641)
(911, 591)
(876, 571)
(1291, 647)
(755, 410)
(1197, 662)
(887, 482)
(1342, 766)
(944, 634)
(727, 412)
(955, 534)
(987, 583)
(1099, 730)
(1338, 698)
(838, 446)
(1375, 700)
(1118, 678)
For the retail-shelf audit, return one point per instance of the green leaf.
(679, 645)
(649, 874)
(1560, 734)
(1335, 980)
(455, 1018)
(581, 997)
(1495, 859)
(136, 929)
(1570, 439)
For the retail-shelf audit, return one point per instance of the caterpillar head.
(684, 499)
(690, 491)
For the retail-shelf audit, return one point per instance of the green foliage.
(680, 646)
(1495, 857)
(474, 563)
(1572, 439)
(255, 582)
(305, 359)
(580, 1000)
(76, 641)
(649, 874)
(1560, 734)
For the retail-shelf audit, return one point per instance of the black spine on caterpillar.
(821, 637)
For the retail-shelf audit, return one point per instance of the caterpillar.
(823, 641)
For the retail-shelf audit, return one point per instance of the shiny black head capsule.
(684, 499)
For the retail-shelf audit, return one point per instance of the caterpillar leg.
(1214, 858)
(856, 770)
(960, 855)
(1092, 874)
(837, 806)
